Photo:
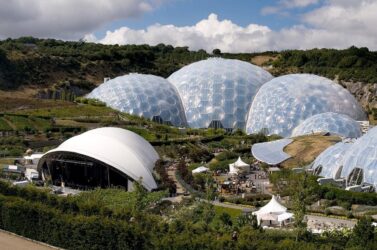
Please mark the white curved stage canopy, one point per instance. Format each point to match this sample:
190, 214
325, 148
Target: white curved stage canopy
118, 148
271, 152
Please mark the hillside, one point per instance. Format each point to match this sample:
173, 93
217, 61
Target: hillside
53, 69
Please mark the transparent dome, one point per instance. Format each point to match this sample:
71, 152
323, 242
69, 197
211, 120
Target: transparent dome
334, 123
363, 155
284, 102
328, 163
146, 96
219, 90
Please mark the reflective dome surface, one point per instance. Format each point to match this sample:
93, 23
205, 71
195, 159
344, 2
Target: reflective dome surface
142, 95
284, 102
363, 155
334, 123
218, 89
331, 160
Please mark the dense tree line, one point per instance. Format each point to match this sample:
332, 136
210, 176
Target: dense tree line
352, 64
32, 61
29, 60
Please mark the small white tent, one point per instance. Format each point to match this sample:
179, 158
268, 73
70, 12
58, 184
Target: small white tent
200, 169
239, 167
273, 212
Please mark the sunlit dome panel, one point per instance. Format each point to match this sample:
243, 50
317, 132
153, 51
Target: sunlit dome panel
333, 123
328, 164
218, 89
363, 155
284, 102
146, 96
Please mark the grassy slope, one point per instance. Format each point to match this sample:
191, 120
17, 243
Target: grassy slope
304, 149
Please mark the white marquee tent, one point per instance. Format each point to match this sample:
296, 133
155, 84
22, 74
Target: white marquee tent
273, 212
239, 167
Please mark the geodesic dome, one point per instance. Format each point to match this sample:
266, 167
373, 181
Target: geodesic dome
284, 102
328, 163
363, 155
218, 90
333, 123
146, 96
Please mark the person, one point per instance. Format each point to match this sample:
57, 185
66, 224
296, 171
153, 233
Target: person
234, 236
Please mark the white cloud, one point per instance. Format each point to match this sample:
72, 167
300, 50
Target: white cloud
297, 3
69, 19
207, 34
282, 6
337, 24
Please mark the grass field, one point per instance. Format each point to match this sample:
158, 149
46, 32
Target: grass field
77, 110
304, 149
234, 213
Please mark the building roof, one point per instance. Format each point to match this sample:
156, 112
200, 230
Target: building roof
240, 163
273, 206
271, 152
200, 169
119, 148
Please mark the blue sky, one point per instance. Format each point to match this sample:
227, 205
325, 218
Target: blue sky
188, 12
232, 26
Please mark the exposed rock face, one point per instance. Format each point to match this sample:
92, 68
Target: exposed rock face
365, 93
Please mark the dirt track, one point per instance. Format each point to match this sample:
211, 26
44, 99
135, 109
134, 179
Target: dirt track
12, 242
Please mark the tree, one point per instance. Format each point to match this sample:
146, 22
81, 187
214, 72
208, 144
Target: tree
216, 52
226, 219
363, 232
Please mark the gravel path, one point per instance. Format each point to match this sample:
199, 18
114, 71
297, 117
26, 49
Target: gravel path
13, 242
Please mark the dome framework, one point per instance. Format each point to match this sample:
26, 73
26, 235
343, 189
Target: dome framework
218, 92
333, 123
284, 102
148, 96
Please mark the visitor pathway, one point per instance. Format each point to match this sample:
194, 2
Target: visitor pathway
14, 242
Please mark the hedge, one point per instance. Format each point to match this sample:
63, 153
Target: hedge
43, 223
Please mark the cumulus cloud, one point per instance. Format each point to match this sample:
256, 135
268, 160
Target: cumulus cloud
69, 19
207, 34
337, 24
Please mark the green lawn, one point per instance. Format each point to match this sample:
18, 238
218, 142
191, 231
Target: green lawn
70, 111
234, 213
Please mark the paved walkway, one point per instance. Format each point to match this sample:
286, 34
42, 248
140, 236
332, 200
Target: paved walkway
14, 242
180, 188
